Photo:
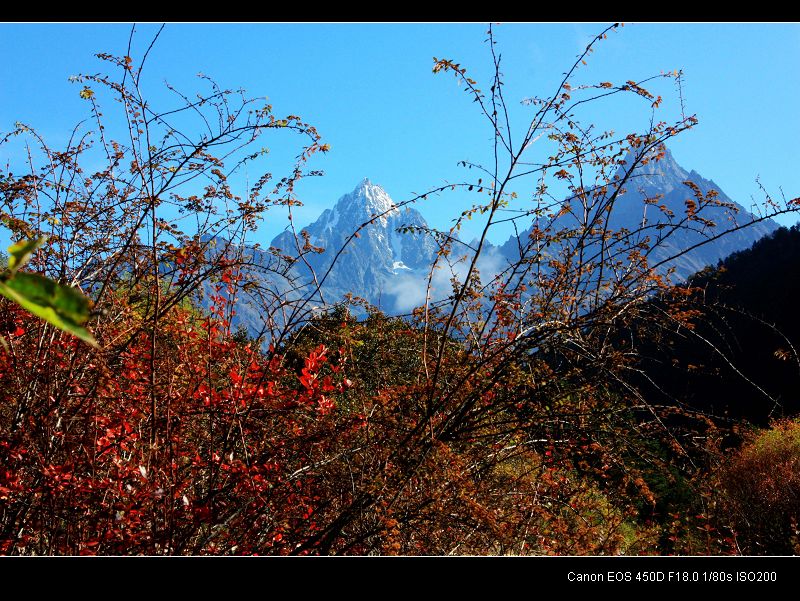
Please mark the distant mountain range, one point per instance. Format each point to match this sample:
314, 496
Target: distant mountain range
389, 268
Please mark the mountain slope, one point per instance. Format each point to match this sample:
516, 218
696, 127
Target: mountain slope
740, 360
663, 182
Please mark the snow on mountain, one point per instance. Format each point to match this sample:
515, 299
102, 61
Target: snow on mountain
370, 263
389, 266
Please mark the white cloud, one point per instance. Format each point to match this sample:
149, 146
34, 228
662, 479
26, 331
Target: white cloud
409, 289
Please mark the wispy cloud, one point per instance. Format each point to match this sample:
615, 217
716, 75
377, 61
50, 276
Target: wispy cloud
409, 289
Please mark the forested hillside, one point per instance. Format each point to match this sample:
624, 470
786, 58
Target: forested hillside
740, 357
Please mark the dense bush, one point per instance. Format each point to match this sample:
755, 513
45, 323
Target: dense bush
210, 446
758, 493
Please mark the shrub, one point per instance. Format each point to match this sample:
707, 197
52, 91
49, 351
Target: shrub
759, 491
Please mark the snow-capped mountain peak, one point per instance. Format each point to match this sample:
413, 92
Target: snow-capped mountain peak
367, 200
369, 263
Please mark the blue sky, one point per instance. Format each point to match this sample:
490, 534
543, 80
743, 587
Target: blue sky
369, 90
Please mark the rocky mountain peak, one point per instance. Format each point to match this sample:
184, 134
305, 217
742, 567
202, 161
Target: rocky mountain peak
664, 179
366, 201
652, 172
372, 264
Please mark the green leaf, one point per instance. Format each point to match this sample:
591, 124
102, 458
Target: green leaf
20, 253
62, 306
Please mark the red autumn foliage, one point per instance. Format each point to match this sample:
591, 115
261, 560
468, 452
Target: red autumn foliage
89, 468
244, 455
